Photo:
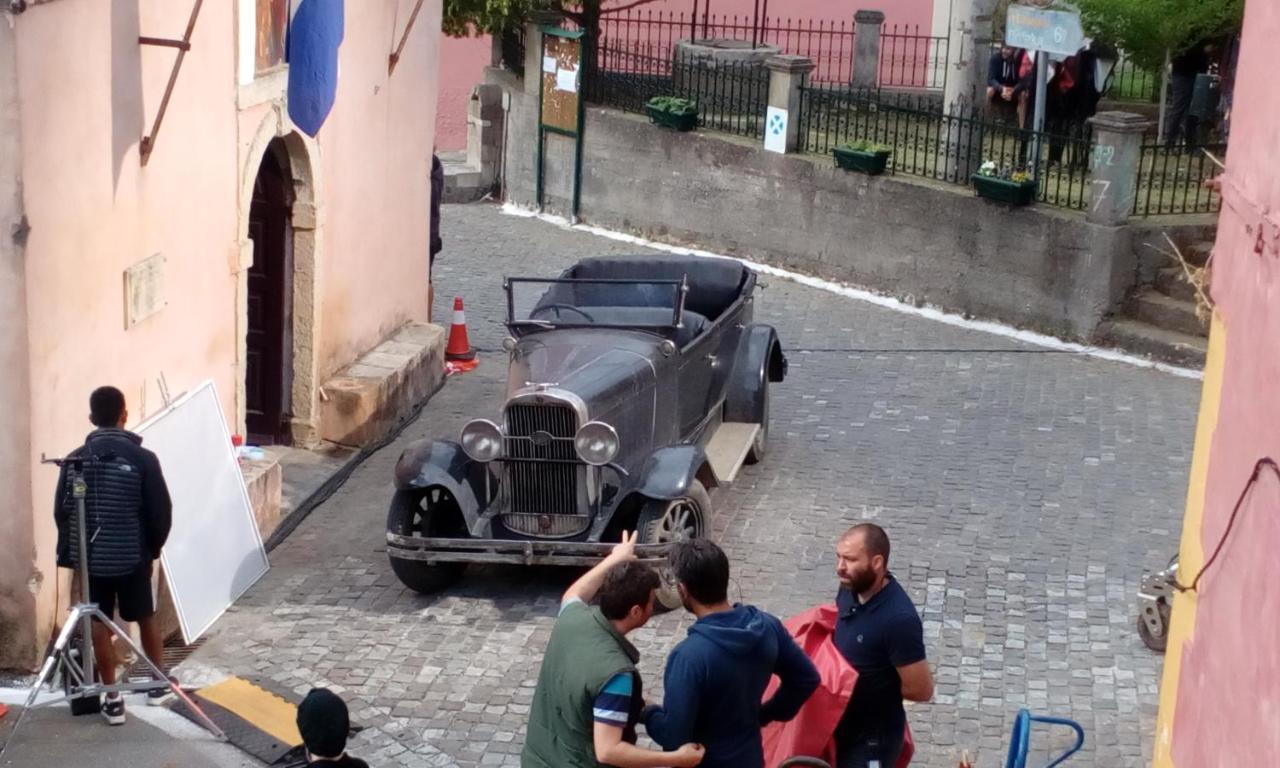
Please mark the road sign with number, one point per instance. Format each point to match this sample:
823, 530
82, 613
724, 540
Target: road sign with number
1039, 30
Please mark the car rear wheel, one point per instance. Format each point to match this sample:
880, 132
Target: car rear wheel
666, 522
430, 512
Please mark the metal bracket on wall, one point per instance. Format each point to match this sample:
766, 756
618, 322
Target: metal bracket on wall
183, 45
395, 55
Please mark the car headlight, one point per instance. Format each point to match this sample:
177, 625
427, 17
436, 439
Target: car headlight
596, 443
482, 440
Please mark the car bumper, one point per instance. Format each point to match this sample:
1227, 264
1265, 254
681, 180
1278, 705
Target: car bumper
518, 551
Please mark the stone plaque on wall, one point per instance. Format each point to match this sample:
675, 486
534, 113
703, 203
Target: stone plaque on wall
143, 290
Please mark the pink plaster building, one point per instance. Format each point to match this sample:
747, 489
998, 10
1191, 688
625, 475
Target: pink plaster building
1220, 696
463, 60
242, 251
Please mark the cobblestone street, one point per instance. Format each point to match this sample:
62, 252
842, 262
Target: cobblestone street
1025, 490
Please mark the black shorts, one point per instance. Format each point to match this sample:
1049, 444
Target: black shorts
131, 592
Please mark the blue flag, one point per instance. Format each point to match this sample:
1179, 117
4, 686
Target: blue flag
315, 32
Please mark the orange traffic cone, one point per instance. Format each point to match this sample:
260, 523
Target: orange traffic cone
459, 351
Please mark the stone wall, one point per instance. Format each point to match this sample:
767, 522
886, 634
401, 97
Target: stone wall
1035, 267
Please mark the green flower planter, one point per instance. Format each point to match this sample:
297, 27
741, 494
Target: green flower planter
870, 163
669, 120
1005, 191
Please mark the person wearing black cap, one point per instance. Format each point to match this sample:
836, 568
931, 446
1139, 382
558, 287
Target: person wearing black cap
323, 723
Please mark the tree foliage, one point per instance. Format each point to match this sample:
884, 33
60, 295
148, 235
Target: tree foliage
463, 18
1146, 29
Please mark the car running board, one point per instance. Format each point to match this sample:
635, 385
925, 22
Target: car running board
728, 449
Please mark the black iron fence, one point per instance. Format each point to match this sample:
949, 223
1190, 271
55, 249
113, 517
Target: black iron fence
1129, 82
1172, 181
731, 97
929, 143
909, 59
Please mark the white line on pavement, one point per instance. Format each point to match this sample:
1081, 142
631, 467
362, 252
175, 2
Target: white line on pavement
861, 294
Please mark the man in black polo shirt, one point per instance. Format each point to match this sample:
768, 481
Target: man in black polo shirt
880, 634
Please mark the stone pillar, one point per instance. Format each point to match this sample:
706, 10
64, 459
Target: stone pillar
786, 75
484, 131
968, 50
26, 592
1114, 166
866, 48
532, 58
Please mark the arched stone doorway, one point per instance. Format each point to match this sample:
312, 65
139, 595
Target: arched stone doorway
269, 322
276, 152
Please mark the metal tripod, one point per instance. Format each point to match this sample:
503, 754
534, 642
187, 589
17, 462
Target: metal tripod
81, 683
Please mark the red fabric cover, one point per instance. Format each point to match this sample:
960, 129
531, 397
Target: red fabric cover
811, 733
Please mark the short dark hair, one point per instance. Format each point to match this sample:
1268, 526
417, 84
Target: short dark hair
106, 405
323, 722
625, 586
702, 568
874, 537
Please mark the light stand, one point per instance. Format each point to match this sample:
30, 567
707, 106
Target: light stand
80, 682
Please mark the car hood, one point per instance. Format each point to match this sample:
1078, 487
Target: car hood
603, 367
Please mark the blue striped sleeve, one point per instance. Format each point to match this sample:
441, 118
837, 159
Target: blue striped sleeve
613, 704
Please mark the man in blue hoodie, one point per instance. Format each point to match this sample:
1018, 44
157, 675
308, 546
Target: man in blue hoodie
716, 677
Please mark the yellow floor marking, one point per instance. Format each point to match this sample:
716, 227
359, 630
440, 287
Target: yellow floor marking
263, 710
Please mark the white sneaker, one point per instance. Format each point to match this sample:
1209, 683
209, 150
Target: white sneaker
113, 709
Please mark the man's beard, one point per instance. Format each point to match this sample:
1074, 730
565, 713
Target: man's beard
861, 581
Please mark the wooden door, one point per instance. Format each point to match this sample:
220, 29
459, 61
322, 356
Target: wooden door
269, 359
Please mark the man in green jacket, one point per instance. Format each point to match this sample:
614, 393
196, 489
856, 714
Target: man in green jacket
588, 699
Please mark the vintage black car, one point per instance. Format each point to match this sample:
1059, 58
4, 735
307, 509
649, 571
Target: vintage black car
635, 385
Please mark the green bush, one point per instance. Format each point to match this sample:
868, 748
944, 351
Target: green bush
863, 145
673, 105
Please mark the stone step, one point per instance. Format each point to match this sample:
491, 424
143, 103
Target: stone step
1155, 308
1197, 253
1172, 282
463, 183
1157, 343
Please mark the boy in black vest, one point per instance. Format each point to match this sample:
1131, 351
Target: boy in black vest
127, 519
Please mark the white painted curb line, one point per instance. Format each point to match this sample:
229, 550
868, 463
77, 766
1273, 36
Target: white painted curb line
861, 294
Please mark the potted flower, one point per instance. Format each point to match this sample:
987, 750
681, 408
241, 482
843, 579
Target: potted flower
868, 157
1004, 185
673, 112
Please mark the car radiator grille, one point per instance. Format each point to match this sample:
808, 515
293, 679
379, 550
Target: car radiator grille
541, 488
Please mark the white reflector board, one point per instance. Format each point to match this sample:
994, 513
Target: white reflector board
214, 552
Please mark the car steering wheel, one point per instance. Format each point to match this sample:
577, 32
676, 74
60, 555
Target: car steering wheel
558, 307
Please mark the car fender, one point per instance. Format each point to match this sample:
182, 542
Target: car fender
668, 472
429, 463
759, 361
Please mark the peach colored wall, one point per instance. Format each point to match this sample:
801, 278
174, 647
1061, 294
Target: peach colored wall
94, 211
1222, 684
463, 60
376, 154
17, 603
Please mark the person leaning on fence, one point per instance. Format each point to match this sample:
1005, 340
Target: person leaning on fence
588, 700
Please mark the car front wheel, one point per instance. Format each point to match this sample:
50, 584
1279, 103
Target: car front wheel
428, 512
664, 521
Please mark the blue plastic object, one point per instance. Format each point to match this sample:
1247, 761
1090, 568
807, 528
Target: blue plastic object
1021, 741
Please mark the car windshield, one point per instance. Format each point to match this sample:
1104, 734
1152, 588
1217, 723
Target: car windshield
618, 303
